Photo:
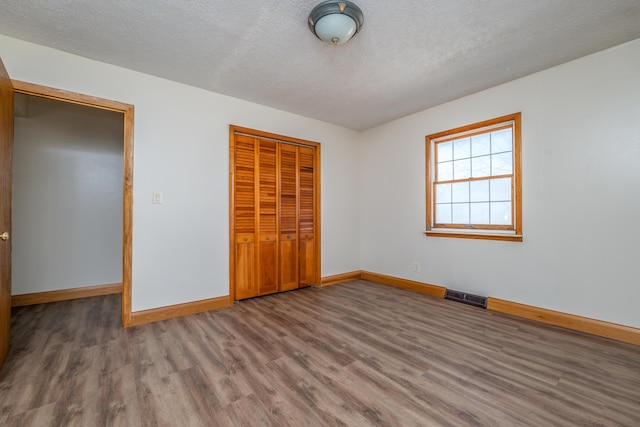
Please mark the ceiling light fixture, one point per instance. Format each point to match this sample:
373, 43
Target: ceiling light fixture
335, 22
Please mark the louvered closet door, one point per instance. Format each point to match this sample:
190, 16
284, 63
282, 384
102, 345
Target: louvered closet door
268, 217
274, 214
307, 208
246, 285
288, 217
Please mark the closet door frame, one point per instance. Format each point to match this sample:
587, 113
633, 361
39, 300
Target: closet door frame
233, 130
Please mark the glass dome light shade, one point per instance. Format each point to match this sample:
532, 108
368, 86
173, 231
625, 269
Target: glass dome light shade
335, 29
335, 21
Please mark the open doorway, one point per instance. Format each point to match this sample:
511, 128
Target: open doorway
67, 197
73, 168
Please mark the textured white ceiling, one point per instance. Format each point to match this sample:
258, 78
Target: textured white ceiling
410, 54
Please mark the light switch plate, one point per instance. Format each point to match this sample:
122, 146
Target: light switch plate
158, 198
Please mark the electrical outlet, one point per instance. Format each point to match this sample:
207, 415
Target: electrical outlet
416, 267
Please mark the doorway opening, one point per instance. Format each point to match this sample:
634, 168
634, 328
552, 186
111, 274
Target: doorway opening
100, 160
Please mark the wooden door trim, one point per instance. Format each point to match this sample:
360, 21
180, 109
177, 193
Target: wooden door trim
233, 129
316, 217
127, 194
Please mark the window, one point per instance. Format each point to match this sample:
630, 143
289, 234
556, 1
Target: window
473, 181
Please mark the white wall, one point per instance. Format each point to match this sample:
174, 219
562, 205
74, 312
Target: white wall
581, 180
67, 197
180, 248
581, 193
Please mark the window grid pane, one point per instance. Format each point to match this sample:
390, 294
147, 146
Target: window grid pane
461, 148
443, 193
480, 166
479, 191
445, 171
486, 154
482, 202
443, 213
475, 200
460, 192
445, 152
480, 145
501, 140
460, 213
500, 190
500, 213
462, 169
502, 163
480, 213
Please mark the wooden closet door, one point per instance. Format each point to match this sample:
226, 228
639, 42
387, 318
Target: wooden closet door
268, 217
307, 209
275, 216
246, 285
288, 217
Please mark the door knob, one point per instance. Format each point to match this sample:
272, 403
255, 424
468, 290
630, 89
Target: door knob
4, 236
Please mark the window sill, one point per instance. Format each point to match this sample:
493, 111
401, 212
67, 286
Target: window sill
477, 235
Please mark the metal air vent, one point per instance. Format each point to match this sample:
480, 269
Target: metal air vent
463, 297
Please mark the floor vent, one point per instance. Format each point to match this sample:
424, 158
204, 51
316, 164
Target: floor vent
466, 298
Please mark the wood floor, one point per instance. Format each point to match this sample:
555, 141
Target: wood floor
354, 354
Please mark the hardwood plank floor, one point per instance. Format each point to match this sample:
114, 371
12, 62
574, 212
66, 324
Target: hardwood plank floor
353, 354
